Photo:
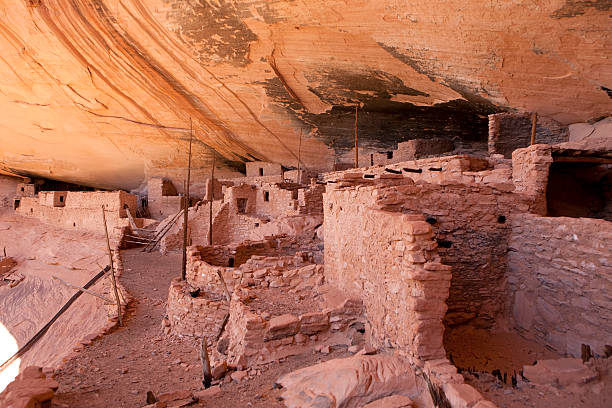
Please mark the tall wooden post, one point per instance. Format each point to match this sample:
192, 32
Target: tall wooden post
534, 123
212, 198
356, 140
299, 158
186, 206
112, 268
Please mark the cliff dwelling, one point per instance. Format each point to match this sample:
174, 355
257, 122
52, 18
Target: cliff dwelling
378, 204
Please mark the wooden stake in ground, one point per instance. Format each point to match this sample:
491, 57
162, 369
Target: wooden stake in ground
299, 158
206, 371
356, 140
212, 198
186, 206
534, 122
112, 269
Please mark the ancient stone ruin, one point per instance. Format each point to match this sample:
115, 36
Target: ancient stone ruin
381, 204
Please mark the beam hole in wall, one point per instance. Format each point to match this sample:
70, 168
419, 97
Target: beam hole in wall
74, 224
442, 243
579, 190
431, 220
501, 219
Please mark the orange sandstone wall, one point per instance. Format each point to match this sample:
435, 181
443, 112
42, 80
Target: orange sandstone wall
252, 76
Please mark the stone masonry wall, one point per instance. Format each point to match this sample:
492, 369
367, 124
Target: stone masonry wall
530, 171
560, 281
390, 261
195, 316
255, 338
414, 149
82, 210
511, 131
8, 187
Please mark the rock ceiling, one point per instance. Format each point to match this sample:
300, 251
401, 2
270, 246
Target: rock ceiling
101, 92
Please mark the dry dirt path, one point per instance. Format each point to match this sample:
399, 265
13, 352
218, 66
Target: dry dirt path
118, 369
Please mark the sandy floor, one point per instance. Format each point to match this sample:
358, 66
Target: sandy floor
118, 369
43, 251
508, 352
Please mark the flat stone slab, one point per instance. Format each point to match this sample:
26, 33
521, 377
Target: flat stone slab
563, 371
394, 401
349, 382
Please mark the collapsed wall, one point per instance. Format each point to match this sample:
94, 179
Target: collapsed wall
559, 281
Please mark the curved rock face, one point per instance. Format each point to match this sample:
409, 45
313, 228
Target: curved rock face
101, 92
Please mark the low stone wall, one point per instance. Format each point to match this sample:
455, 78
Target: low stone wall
257, 339
559, 281
194, 316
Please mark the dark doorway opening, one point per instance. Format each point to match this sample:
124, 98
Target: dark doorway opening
241, 203
579, 189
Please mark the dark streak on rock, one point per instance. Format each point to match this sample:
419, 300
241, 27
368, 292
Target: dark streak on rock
382, 122
346, 85
217, 31
575, 8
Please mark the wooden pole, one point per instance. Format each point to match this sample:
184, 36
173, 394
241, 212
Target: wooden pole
534, 122
212, 198
112, 269
186, 206
206, 371
89, 292
356, 140
299, 157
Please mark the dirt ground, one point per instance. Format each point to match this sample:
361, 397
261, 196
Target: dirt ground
484, 350
508, 352
118, 369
